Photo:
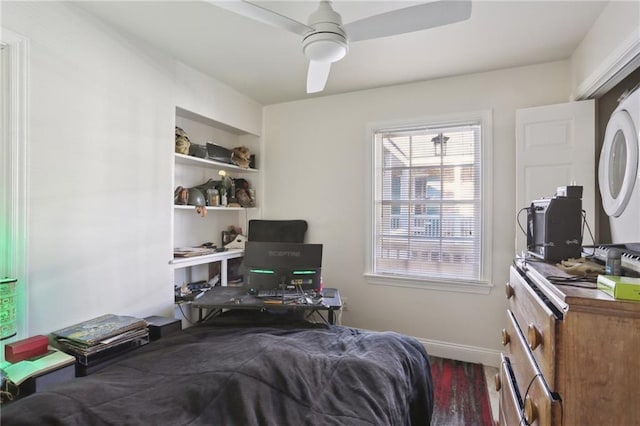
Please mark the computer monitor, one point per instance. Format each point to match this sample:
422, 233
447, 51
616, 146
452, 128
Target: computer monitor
285, 266
283, 231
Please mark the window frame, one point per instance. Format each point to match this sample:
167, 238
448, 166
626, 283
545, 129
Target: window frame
483, 284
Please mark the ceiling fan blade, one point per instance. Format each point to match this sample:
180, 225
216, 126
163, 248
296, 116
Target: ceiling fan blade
262, 14
317, 76
409, 19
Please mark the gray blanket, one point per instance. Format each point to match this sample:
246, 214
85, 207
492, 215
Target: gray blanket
232, 372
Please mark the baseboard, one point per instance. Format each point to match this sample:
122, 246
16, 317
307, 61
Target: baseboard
459, 352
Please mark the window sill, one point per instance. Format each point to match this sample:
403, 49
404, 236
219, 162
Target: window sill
475, 287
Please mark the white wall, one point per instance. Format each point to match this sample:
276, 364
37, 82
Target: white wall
100, 159
99, 192
612, 42
210, 98
315, 170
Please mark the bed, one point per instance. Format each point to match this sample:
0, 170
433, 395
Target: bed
248, 368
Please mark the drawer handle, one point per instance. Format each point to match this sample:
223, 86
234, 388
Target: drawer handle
530, 410
508, 289
534, 337
497, 382
505, 337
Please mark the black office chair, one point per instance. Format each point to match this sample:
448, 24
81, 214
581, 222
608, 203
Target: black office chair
278, 231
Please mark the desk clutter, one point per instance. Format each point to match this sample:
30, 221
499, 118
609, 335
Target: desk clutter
248, 298
239, 294
191, 291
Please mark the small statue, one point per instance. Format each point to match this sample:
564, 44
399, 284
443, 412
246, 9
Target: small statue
182, 141
245, 197
241, 157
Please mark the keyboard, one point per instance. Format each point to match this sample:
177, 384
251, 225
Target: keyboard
278, 293
630, 259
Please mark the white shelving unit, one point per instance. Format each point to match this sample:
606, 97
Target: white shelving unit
222, 257
221, 208
190, 229
184, 262
210, 164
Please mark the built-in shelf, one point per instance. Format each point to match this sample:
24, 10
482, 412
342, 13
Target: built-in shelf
185, 262
190, 160
189, 207
188, 227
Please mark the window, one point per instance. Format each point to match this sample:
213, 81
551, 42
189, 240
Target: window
429, 210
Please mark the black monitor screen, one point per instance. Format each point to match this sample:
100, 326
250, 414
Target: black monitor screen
284, 231
283, 265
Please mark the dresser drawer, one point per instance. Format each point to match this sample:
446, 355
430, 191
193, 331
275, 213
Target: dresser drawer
538, 401
536, 320
510, 405
595, 342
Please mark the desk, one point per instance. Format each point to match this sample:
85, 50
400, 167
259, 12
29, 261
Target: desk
239, 298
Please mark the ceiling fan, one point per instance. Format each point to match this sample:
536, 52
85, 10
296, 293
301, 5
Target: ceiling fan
325, 39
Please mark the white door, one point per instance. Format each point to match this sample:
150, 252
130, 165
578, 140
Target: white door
555, 146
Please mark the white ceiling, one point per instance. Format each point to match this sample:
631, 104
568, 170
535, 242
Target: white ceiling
267, 64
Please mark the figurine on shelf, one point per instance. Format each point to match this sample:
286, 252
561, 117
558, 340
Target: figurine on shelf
224, 186
231, 200
182, 141
241, 157
244, 196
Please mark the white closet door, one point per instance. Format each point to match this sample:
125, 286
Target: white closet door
555, 146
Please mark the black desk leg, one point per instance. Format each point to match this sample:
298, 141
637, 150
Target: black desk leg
330, 316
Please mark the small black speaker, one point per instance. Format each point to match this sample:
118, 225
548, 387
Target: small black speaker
554, 228
162, 326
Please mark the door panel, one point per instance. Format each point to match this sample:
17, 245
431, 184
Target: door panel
555, 146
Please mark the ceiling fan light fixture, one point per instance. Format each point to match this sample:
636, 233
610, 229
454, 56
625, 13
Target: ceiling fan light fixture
325, 40
325, 47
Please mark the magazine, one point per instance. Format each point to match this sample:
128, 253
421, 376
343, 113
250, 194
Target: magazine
100, 329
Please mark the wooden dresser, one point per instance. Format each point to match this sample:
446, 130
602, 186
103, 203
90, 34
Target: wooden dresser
571, 354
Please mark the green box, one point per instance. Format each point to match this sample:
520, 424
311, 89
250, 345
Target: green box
626, 288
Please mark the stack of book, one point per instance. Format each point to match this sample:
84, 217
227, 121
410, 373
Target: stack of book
97, 341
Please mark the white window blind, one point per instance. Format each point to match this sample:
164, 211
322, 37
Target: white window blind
427, 195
